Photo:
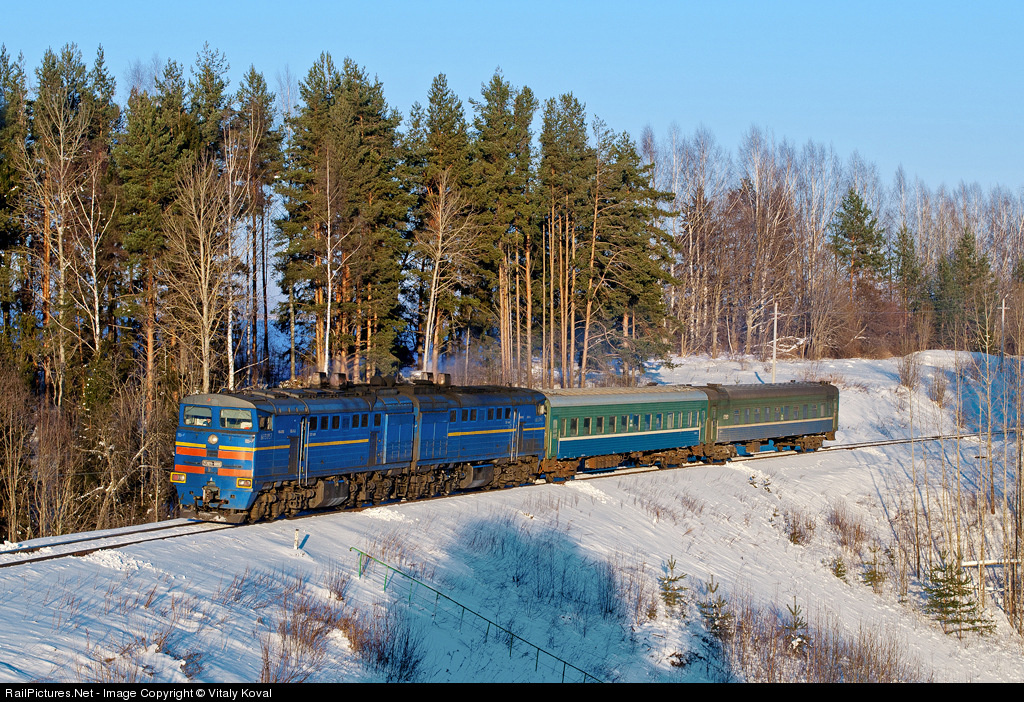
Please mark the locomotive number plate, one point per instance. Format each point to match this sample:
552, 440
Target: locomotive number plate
212, 464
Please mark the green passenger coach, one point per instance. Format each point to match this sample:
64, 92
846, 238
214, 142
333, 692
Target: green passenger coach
598, 428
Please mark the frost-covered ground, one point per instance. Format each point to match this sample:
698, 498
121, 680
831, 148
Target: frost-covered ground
571, 569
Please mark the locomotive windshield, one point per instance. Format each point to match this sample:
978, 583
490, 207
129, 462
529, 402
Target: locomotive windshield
197, 416
236, 419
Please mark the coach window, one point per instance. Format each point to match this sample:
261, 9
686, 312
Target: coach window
574, 426
599, 426
586, 426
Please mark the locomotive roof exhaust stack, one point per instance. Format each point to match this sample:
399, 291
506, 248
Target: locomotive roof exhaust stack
422, 377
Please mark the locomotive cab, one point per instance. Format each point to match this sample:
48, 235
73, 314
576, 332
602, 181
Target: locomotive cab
215, 447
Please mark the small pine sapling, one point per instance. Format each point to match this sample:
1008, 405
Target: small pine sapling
714, 610
795, 629
673, 592
874, 575
951, 600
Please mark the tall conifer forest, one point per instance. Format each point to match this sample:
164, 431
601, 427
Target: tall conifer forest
181, 234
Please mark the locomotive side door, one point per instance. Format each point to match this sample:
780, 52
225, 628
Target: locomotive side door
373, 457
516, 435
298, 450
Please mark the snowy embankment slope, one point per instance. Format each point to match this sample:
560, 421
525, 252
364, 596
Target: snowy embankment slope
570, 568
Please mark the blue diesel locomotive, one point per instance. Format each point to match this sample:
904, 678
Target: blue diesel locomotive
259, 454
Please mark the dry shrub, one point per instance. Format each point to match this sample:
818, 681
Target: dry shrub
297, 646
937, 388
636, 588
99, 665
849, 529
391, 645
761, 649
908, 369
799, 526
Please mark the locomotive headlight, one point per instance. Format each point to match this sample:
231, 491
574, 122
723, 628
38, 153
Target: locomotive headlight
177, 477
244, 483
212, 439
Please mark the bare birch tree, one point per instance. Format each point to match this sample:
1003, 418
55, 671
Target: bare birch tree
198, 258
445, 245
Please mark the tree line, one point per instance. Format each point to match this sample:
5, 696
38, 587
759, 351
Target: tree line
156, 246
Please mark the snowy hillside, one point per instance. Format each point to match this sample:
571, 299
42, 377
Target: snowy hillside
572, 570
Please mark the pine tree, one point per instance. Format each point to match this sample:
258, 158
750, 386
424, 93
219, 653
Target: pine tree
857, 239
261, 153
208, 93
501, 192
951, 600
15, 299
345, 211
964, 295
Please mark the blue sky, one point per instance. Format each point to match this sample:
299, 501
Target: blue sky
934, 86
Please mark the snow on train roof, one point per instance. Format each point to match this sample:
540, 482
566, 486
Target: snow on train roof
576, 397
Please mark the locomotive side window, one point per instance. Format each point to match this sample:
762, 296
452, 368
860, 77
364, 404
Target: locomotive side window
323, 423
508, 413
345, 422
335, 422
235, 419
453, 415
266, 422
198, 416
472, 415
366, 420
376, 420
465, 415
490, 414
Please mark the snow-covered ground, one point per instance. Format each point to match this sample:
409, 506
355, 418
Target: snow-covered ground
571, 570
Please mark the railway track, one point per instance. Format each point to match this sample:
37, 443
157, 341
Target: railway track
84, 544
